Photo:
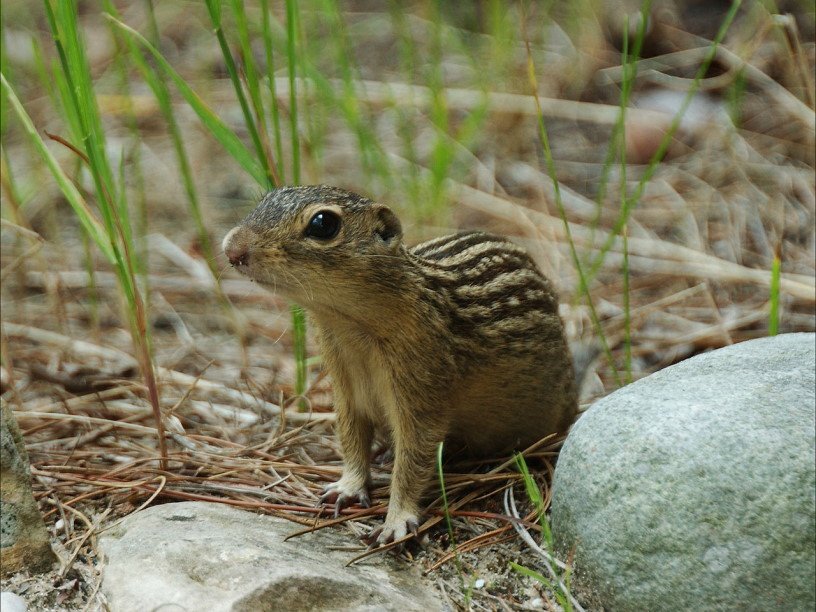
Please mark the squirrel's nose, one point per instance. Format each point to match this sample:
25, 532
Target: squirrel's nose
238, 255
236, 248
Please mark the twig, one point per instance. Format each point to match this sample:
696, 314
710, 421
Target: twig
85, 348
510, 508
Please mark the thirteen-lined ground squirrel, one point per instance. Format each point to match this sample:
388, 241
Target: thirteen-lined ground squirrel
456, 339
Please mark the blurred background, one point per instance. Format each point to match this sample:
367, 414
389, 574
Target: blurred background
417, 105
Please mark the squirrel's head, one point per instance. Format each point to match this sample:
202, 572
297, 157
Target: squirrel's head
317, 245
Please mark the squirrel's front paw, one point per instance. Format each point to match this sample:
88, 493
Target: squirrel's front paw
342, 495
395, 528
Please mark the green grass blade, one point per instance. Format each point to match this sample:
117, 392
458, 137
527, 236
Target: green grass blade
81, 103
448, 523
82, 99
439, 455
550, 164
629, 75
291, 56
651, 168
563, 601
533, 492
627, 307
529, 483
70, 103
411, 178
158, 86
526, 571
122, 204
442, 153
252, 80
776, 275
214, 8
64, 101
93, 135
299, 333
43, 76
93, 292
374, 158
78, 107
219, 130
629, 64
135, 158
87, 219
298, 316
273, 96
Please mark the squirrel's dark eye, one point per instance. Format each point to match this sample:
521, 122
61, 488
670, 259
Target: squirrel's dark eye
323, 225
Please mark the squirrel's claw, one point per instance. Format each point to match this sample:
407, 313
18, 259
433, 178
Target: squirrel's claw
342, 498
392, 531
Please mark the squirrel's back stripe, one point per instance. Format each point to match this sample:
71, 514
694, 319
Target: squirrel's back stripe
441, 247
486, 279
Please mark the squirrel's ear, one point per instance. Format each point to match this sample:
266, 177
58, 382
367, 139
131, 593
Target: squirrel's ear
388, 227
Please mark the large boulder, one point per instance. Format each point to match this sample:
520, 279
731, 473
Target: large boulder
695, 488
204, 556
24, 541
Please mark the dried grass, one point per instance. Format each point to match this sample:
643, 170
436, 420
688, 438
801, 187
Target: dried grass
97, 450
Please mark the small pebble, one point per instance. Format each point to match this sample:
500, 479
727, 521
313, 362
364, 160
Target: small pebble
11, 602
479, 583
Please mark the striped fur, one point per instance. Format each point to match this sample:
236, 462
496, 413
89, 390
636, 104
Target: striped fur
488, 281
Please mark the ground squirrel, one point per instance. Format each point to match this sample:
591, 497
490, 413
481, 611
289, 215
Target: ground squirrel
456, 339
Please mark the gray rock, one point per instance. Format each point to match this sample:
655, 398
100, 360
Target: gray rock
202, 556
11, 602
24, 541
695, 488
